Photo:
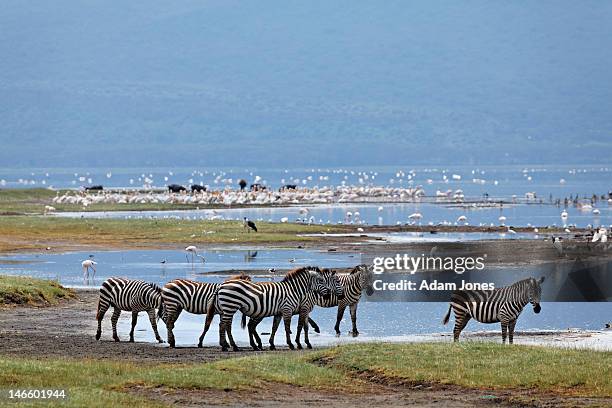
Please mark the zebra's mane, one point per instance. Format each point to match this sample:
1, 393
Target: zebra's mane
294, 273
242, 276
357, 269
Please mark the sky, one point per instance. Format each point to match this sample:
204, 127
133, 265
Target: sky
224, 83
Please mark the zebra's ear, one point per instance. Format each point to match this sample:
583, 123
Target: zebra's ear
541, 279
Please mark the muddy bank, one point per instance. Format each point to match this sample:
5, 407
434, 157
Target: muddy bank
68, 329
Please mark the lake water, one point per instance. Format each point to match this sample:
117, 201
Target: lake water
376, 320
385, 214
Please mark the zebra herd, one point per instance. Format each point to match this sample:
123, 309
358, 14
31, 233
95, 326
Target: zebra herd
296, 294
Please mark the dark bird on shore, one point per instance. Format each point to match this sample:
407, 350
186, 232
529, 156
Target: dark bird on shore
608, 325
249, 225
252, 254
163, 261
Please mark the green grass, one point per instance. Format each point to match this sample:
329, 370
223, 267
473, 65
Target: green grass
29, 232
483, 365
475, 365
23, 290
30, 200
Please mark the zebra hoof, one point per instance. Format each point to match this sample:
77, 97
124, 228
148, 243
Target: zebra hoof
160, 341
236, 348
272, 347
291, 347
354, 334
116, 339
200, 345
131, 340
337, 334
224, 348
98, 336
299, 346
309, 345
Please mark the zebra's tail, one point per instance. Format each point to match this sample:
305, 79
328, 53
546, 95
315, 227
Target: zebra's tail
243, 322
447, 317
161, 312
98, 310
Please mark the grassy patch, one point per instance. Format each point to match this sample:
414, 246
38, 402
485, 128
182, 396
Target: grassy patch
22, 232
23, 290
482, 365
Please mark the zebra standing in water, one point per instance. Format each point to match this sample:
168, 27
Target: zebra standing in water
260, 300
132, 296
354, 283
503, 305
303, 310
191, 296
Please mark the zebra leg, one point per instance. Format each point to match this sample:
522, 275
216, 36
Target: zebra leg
207, 323
287, 320
254, 338
314, 325
114, 320
306, 339
102, 308
460, 323
511, 326
299, 331
223, 321
231, 338
504, 328
153, 320
353, 309
134, 320
339, 318
275, 324
172, 317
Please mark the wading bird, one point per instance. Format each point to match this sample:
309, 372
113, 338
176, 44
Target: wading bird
249, 225
193, 250
86, 264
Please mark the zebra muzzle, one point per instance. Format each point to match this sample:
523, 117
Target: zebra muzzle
537, 308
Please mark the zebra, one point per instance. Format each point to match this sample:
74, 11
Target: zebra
303, 310
259, 300
503, 305
191, 296
354, 283
129, 295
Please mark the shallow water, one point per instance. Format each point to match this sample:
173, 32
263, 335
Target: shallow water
377, 320
389, 214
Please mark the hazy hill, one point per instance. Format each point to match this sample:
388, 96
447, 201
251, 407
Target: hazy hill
304, 83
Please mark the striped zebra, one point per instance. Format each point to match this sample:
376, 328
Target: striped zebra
259, 300
503, 305
191, 296
354, 283
303, 310
130, 295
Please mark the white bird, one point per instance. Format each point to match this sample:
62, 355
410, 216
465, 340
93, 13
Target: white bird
502, 219
596, 211
511, 231
558, 245
564, 215
284, 219
604, 234
86, 264
415, 216
596, 236
462, 218
193, 250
